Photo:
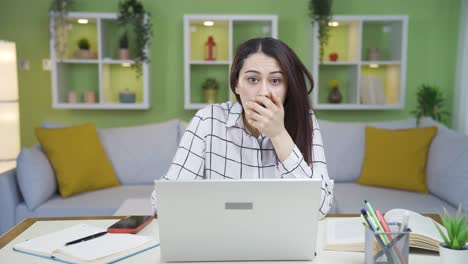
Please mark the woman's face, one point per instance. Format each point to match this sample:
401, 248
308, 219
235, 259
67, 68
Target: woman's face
259, 76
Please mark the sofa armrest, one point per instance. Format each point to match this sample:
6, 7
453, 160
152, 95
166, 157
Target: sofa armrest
10, 197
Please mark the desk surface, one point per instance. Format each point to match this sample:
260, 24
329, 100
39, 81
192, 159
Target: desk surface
40, 226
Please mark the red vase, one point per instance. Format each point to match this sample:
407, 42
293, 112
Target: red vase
333, 56
210, 49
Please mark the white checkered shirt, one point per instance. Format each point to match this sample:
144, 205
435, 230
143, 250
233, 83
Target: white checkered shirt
216, 145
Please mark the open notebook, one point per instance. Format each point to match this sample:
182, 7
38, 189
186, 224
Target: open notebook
104, 249
348, 234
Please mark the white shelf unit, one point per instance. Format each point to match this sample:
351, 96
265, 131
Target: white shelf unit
228, 31
364, 84
106, 75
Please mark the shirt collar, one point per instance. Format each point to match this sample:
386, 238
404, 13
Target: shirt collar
234, 115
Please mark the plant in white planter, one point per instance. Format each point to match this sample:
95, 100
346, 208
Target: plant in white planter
454, 249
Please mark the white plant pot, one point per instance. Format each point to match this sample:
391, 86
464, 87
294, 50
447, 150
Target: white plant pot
452, 256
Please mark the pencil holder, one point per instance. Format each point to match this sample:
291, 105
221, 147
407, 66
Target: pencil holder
387, 247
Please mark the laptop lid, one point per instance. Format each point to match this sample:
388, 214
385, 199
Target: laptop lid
236, 220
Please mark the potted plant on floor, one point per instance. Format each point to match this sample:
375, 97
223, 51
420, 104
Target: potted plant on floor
84, 51
124, 52
430, 102
454, 249
210, 90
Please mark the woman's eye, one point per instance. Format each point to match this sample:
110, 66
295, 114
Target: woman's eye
252, 79
275, 81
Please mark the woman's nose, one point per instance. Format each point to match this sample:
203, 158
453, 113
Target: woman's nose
264, 89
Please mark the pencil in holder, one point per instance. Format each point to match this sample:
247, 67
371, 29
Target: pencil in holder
387, 247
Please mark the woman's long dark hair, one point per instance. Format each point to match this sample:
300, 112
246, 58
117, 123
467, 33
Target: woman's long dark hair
297, 120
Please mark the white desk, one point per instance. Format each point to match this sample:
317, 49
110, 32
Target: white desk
7, 255
135, 206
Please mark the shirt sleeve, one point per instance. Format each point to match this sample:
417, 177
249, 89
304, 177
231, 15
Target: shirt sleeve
296, 167
189, 161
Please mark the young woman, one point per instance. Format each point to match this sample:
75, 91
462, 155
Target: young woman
270, 132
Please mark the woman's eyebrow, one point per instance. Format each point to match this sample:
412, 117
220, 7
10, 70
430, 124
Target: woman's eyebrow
273, 72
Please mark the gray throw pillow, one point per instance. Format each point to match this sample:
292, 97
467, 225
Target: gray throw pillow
36, 177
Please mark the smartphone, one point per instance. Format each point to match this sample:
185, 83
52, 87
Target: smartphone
131, 224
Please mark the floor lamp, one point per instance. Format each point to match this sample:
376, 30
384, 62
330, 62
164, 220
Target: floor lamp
9, 106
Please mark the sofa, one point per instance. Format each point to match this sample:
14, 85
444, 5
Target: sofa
141, 154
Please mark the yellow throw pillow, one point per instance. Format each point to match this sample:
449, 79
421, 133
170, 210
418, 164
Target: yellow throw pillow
397, 158
78, 158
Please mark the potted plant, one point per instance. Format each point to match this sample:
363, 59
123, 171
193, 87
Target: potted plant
334, 96
133, 16
124, 53
320, 12
454, 249
210, 90
83, 51
430, 102
58, 11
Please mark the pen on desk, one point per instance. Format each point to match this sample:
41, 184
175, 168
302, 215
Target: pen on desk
85, 238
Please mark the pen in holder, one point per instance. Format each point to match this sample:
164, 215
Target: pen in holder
387, 247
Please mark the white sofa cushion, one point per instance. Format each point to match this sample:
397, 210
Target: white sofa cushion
349, 199
36, 178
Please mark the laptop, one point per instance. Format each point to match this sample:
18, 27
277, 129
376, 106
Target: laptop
238, 220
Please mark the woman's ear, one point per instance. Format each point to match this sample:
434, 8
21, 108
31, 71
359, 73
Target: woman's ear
237, 90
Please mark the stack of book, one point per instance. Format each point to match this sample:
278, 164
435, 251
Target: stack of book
372, 91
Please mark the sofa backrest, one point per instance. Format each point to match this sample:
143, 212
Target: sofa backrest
447, 165
344, 145
447, 162
139, 154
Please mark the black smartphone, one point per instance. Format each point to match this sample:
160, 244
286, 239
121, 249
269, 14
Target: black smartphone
131, 224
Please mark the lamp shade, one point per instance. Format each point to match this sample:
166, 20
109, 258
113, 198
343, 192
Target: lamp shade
9, 107
8, 72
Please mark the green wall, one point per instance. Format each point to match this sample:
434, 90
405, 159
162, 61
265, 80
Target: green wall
432, 45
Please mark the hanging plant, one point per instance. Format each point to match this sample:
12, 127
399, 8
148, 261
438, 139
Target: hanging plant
58, 11
431, 103
320, 12
136, 20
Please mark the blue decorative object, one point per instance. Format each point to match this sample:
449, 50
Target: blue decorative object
127, 96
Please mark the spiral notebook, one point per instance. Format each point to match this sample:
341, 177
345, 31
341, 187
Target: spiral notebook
109, 248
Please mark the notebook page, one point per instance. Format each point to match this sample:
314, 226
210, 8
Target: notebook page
345, 230
104, 246
418, 223
47, 244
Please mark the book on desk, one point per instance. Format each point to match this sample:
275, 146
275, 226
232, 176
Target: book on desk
347, 234
108, 248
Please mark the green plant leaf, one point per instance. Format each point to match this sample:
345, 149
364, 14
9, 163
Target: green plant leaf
455, 244
463, 236
442, 234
